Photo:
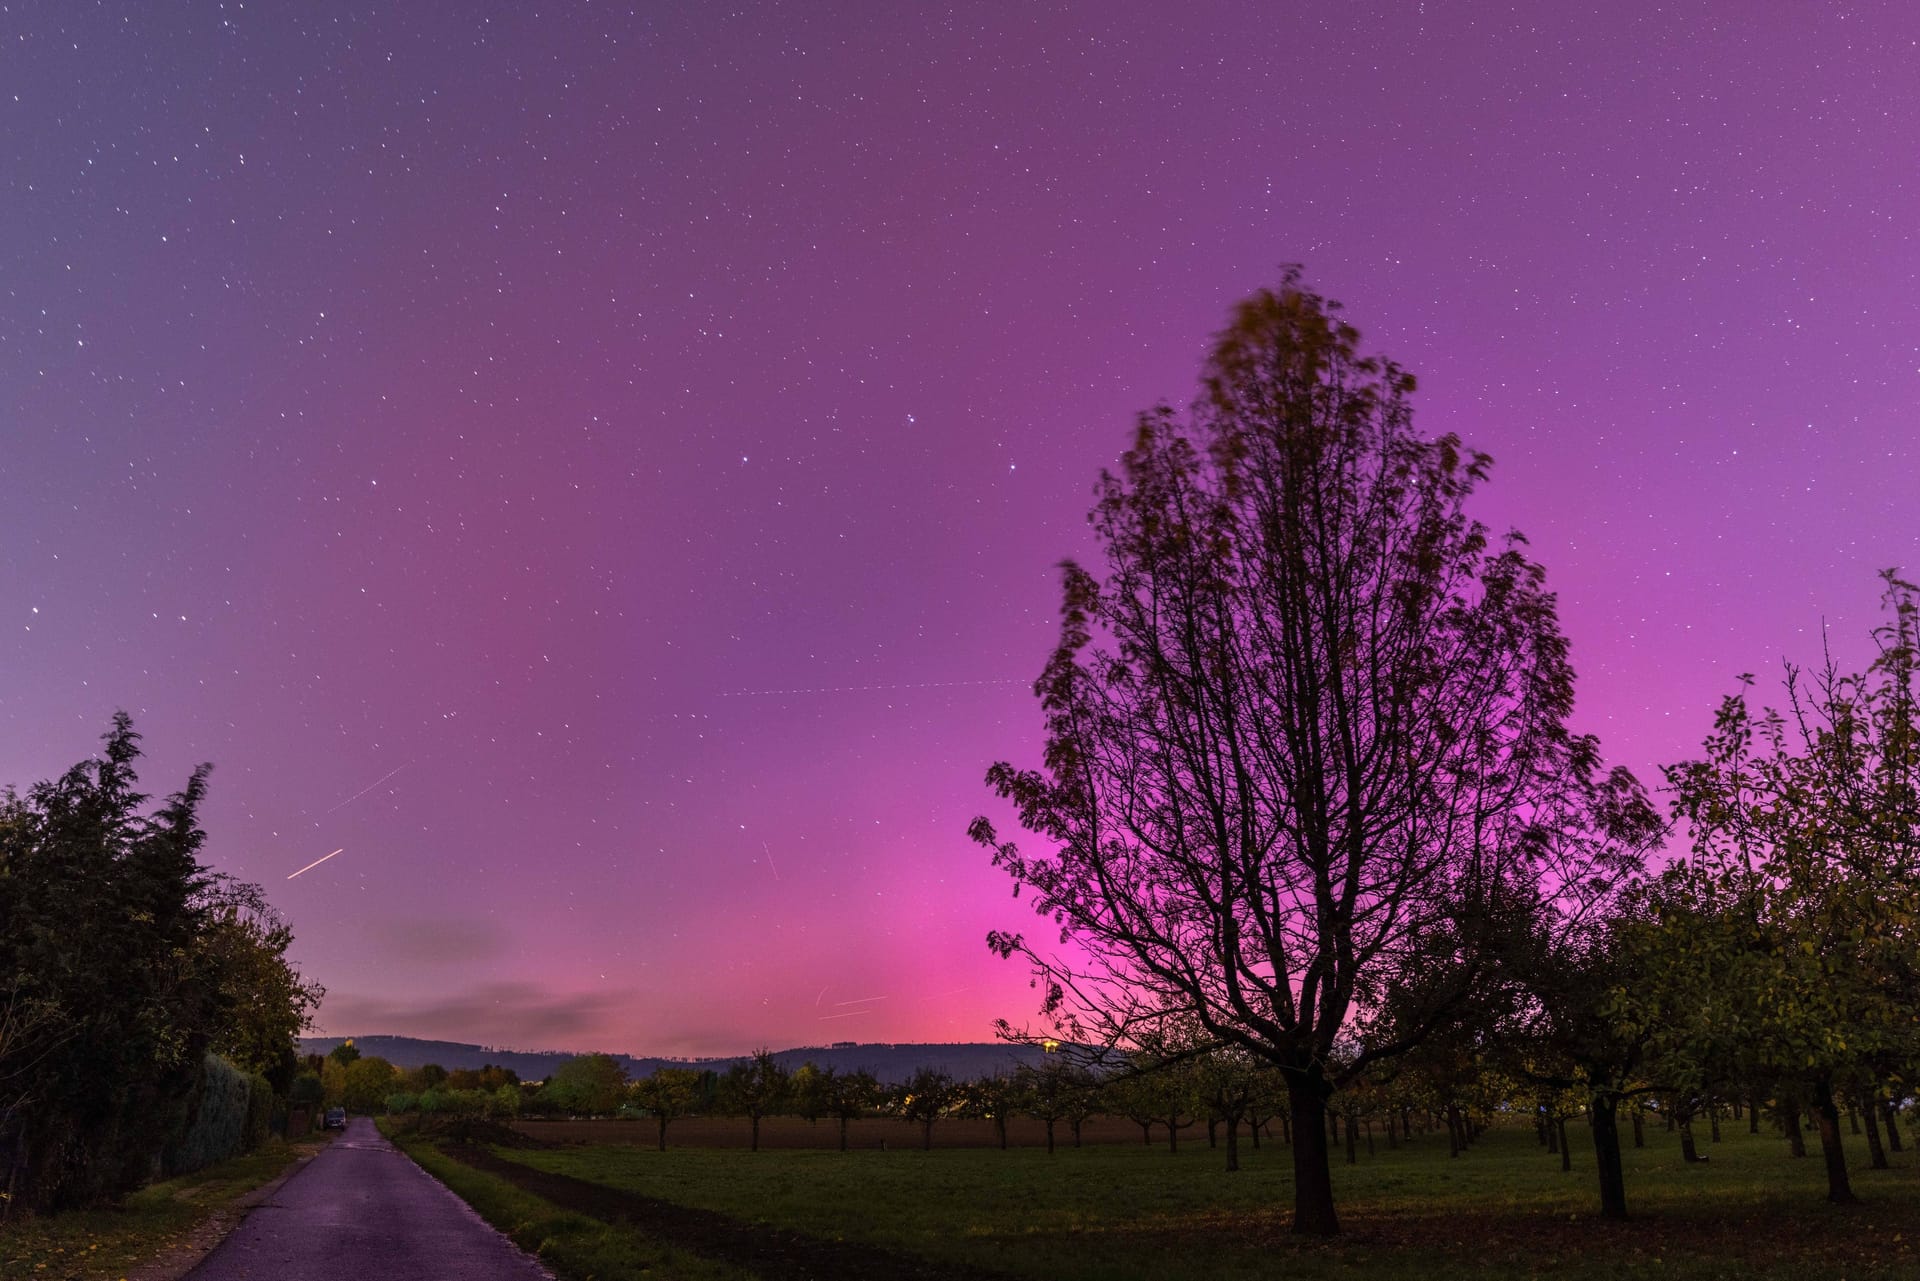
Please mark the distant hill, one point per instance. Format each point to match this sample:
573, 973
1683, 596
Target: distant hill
890, 1063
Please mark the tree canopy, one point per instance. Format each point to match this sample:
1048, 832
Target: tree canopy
1305, 725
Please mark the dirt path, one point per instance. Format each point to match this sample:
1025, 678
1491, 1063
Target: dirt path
777, 1254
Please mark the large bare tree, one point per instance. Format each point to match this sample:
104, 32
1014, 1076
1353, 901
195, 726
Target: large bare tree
1303, 728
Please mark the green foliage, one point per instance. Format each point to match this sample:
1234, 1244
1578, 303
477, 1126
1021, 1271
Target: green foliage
667, 1094
924, 1098
807, 1092
219, 1117
1791, 937
587, 1085
755, 1087
121, 964
365, 1084
264, 1002
260, 1101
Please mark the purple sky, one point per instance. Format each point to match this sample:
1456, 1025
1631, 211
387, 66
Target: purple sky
601, 466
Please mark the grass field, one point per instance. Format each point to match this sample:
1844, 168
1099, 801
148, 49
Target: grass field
572, 1245
149, 1225
1122, 1211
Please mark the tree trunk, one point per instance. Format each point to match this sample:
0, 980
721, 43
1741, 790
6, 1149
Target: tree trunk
1839, 1191
926, 1135
1173, 1131
1853, 1119
753, 1144
1566, 1156
1076, 1132
1286, 1127
843, 1134
1253, 1127
1790, 1121
1000, 1125
1313, 1213
1893, 1125
1753, 1113
1713, 1121
1453, 1134
1213, 1131
1606, 1154
663, 1132
1876, 1155
1549, 1134
1049, 1136
1233, 1144
1639, 1126
1146, 1132
1688, 1152
1348, 1127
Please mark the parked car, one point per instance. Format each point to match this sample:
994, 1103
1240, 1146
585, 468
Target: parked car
336, 1119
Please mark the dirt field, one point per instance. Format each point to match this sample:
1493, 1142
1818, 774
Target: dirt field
871, 1132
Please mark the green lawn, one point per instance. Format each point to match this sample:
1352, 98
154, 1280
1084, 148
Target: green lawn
1502, 1210
93, 1244
573, 1246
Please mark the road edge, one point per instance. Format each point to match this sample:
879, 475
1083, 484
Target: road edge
206, 1236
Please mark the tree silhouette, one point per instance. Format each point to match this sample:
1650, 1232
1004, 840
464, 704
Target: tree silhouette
1297, 726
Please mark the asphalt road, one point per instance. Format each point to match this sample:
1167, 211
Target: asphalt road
362, 1210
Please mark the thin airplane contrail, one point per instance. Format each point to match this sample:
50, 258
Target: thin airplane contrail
316, 863
375, 783
770, 863
865, 1000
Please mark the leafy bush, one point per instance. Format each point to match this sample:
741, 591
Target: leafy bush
218, 1119
259, 1110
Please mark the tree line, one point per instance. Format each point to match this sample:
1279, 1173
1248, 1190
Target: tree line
1310, 793
148, 1012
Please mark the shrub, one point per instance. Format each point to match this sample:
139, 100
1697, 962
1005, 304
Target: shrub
259, 1110
217, 1119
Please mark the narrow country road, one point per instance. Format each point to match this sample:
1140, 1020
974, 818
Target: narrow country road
363, 1210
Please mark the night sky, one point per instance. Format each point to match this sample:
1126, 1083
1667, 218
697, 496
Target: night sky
601, 467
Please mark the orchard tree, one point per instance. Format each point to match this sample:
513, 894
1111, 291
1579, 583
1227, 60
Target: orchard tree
753, 1089
924, 1098
996, 1097
1809, 819
1055, 1091
849, 1096
668, 1094
807, 1092
588, 1085
1297, 727
366, 1083
1585, 962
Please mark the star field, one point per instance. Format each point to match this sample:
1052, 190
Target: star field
602, 466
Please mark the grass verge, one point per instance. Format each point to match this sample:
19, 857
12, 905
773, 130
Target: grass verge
1502, 1210
575, 1247
110, 1243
